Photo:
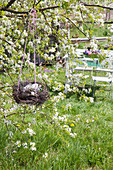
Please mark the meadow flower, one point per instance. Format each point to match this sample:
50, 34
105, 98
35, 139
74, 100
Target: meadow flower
68, 106
34, 121
10, 133
33, 148
67, 128
93, 120
23, 132
73, 135
87, 121
18, 143
32, 144
25, 145
61, 118
45, 155
31, 132
71, 124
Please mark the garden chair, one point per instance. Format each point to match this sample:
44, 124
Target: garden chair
102, 79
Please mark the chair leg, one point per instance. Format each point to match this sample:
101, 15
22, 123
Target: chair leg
94, 88
110, 91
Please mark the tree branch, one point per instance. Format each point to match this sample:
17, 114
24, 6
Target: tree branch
51, 7
75, 25
45, 18
27, 12
83, 21
12, 11
38, 2
9, 4
98, 6
90, 22
5, 41
13, 16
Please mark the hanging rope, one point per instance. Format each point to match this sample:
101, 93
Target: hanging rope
34, 31
29, 48
22, 60
30, 92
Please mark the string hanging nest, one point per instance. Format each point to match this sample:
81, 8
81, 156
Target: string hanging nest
30, 93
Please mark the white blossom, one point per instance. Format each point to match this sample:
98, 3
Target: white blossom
52, 50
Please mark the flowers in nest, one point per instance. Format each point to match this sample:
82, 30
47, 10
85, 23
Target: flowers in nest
32, 88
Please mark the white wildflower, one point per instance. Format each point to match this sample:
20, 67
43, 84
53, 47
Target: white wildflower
31, 132
73, 135
23, 132
32, 144
33, 148
68, 106
18, 143
87, 121
45, 155
25, 145
67, 128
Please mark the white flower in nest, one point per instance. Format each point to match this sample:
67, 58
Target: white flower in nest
32, 87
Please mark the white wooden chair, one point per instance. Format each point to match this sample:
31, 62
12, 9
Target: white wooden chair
102, 79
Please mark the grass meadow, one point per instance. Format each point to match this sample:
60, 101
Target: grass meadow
88, 146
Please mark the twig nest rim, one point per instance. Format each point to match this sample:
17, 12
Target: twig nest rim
30, 92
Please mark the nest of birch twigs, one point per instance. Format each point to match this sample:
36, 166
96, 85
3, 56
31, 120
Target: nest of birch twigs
30, 93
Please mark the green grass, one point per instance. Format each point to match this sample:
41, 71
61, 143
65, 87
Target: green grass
92, 147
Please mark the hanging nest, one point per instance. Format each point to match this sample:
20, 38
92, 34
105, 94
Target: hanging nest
30, 93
